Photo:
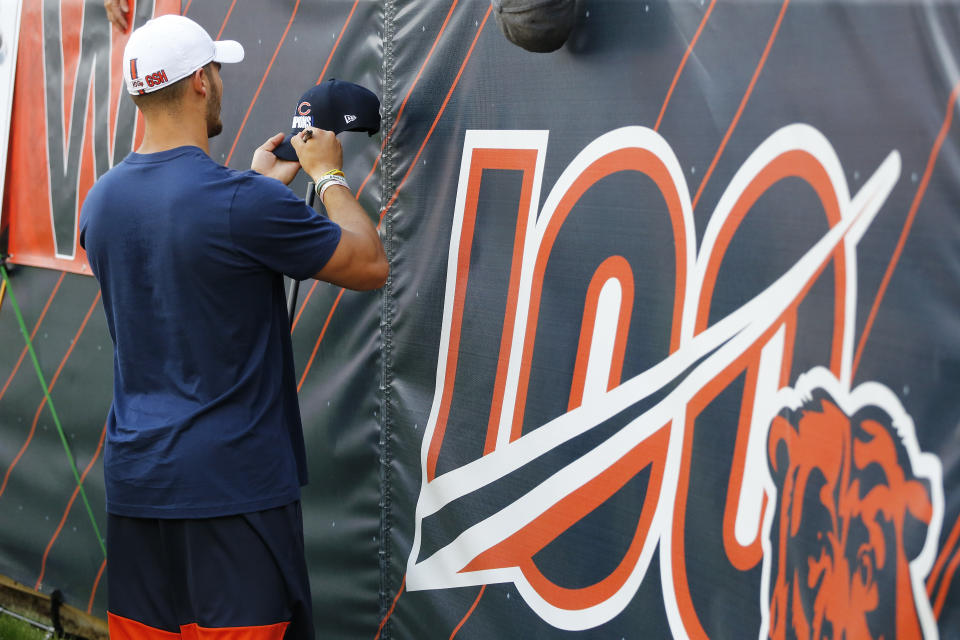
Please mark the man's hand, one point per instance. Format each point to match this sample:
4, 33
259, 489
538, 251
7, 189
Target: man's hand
270, 165
116, 10
319, 153
359, 261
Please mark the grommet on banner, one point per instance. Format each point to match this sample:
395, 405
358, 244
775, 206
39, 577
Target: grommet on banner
540, 26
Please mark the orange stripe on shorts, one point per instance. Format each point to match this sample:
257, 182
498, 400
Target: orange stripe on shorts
126, 629
266, 632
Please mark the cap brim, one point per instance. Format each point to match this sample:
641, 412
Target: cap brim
227, 51
285, 150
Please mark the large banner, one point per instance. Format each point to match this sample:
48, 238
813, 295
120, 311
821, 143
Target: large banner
672, 334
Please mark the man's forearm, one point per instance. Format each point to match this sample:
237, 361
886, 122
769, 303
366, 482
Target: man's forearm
359, 261
343, 208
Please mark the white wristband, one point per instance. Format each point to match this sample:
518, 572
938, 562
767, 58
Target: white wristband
328, 181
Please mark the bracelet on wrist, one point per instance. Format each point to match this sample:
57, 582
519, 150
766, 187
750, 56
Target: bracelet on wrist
325, 182
324, 177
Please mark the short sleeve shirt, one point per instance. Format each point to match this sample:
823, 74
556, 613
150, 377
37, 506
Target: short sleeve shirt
190, 257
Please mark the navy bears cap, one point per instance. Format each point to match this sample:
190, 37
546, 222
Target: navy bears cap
334, 105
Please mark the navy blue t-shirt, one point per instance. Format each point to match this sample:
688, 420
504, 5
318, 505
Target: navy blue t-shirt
190, 256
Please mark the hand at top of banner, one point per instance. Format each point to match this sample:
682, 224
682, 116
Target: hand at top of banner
116, 13
270, 165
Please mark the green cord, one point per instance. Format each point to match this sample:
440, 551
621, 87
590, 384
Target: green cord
53, 411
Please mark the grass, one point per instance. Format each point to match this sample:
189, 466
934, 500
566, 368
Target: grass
13, 629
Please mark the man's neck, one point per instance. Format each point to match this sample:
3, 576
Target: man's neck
165, 131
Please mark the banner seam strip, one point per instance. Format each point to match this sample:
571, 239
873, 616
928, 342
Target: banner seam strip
386, 191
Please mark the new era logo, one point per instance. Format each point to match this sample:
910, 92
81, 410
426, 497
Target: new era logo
349, 118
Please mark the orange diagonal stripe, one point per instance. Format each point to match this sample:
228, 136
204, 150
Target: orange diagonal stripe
908, 223
225, 19
387, 137
403, 105
743, 103
413, 164
256, 94
53, 381
66, 511
33, 333
393, 606
469, 612
337, 43
683, 63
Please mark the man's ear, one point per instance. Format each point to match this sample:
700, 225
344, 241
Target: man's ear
198, 81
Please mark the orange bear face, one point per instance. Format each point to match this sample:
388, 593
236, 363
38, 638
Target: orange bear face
850, 517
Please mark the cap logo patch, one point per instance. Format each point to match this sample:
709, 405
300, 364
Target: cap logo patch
133, 68
303, 108
349, 118
301, 122
157, 78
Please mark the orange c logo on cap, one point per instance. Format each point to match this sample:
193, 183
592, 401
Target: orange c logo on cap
303, 108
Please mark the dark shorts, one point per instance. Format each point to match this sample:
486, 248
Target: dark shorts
242, 577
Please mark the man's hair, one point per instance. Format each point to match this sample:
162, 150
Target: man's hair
167, 97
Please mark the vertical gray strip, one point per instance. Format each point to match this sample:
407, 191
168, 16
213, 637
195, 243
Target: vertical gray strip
53, 77
65, 156
387, 189
92, 82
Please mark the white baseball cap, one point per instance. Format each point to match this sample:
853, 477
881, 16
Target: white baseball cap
169, 48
